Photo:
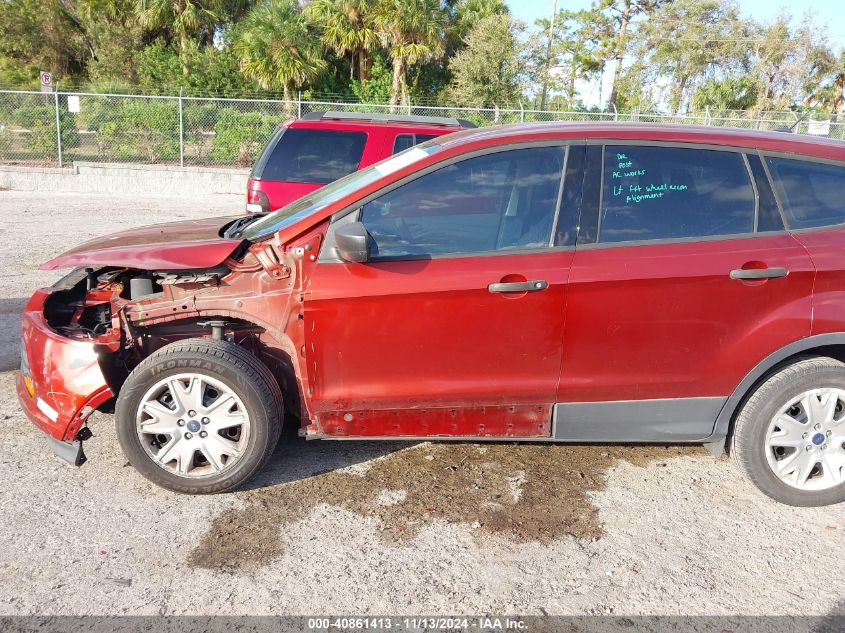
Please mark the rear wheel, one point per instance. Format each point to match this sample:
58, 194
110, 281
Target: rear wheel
199, 416
789, 437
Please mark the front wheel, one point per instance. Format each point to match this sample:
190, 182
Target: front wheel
199, 416
789, 437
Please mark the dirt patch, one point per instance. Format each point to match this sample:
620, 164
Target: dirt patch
525, 491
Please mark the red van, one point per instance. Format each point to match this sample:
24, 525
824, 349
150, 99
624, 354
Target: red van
549, 282
307, 153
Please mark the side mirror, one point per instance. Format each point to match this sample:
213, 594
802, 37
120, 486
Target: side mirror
353, 242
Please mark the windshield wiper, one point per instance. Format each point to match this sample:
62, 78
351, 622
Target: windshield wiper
235, 230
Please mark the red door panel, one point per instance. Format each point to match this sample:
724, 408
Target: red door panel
387, 342
668, 321
826, 247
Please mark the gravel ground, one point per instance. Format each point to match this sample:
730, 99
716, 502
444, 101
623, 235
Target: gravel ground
380, 528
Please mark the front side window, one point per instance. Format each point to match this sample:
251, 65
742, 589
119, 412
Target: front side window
655, 193
493, 202
313, 156
811, 193
264, 227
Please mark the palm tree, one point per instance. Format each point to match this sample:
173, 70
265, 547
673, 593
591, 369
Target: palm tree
347, 29
412, 30
182, 17
466, 13
276, 47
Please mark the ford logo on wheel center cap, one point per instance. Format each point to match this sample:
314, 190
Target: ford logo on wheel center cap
818, 439
194, 426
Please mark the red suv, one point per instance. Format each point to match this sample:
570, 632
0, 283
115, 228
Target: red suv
557, 282
305, 154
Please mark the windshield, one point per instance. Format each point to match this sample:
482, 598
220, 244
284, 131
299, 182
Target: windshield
313, 202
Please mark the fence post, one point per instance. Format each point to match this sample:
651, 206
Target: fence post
181, 133
58, 125
409, 106
299, 104
707, 118
521, 113
615, 112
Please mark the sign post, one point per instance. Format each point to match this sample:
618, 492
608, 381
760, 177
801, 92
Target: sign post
58, 129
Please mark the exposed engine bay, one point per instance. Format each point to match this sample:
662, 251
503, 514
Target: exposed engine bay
128, 314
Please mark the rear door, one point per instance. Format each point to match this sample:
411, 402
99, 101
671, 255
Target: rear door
455, 326
680, 284
812, 194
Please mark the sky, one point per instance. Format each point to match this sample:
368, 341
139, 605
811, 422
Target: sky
825, 12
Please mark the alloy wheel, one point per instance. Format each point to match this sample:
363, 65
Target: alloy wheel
192, 425
805, 440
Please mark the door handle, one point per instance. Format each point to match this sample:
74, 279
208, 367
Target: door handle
759, 273
534, 285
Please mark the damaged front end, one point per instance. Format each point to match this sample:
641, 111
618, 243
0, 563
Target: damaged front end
84, 335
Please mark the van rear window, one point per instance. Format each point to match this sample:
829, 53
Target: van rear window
312, 156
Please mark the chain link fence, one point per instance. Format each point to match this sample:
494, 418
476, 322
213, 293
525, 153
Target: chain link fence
57, 128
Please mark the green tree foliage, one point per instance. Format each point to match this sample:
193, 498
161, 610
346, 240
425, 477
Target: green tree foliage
828, 93
786, 59
277, 47
464, 14
655, 54
347, 27
133, 129
239, 136
375, 89
689, 41
634, 93
41, 35
184, 18
115, 35
413, 31
612, 22
489, 71
730, 93
39, 123
213, 70
572, 54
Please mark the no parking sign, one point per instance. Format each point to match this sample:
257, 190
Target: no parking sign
46, 81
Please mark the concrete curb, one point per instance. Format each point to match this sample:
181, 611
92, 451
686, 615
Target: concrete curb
87, 177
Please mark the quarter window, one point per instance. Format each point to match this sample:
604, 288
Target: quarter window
404, 141
654, 193
810, 193
493, 202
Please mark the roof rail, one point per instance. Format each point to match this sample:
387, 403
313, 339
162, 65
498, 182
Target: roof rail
388, 118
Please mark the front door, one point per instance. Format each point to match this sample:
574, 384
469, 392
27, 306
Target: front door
687, 282
455, 326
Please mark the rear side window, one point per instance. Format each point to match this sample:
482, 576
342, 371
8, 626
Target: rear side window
313, 156
404, 141
811, 193
655, 193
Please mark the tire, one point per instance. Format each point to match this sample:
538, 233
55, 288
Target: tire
792, 445
214, 449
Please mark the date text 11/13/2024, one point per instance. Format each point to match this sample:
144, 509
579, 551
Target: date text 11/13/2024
485, 623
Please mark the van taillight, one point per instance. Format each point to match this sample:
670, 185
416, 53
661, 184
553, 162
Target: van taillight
257, 202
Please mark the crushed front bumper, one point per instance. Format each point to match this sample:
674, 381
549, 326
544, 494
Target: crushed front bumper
60, 382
